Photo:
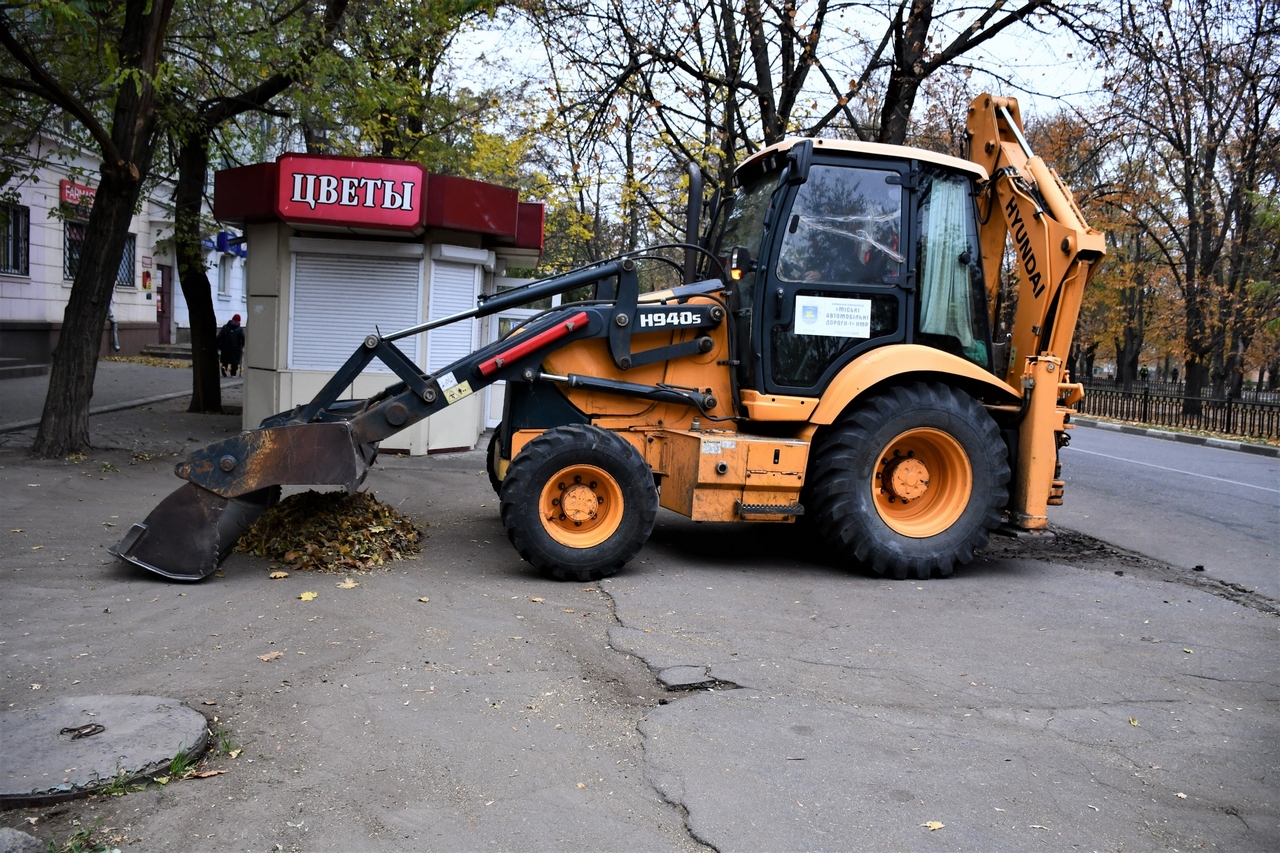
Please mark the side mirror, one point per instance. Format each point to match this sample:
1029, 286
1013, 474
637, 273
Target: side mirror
740, 262
799, 159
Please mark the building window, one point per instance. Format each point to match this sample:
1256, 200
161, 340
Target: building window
224, 276
72, 244
124, 276
15, 236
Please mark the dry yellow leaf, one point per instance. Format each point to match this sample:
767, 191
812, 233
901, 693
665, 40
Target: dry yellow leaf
568, 611
16, 530
205, 774
580, 785
424, 598
36, 547
536, 600
1188, 651
235, 753
309, 596
933, 825
275, 576
270, 656
347, 584
1133, 721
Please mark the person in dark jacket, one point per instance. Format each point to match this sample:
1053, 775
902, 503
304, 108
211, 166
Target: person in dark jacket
231, 346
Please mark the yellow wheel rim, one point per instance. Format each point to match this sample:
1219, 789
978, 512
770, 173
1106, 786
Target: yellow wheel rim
581, 506
922, 482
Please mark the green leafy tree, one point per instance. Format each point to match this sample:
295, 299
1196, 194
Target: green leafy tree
253, 64
51, 52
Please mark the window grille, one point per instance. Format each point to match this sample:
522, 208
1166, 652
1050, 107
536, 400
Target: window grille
15, 236
124, 276
72, 245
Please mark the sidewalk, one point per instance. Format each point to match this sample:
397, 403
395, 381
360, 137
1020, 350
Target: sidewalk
135, 407
1185, 438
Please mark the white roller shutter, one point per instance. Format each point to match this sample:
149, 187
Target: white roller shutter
339, 299
454, 288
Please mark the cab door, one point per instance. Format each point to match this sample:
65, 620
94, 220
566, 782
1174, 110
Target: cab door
833, 283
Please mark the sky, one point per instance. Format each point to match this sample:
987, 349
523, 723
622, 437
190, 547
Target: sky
1044, 71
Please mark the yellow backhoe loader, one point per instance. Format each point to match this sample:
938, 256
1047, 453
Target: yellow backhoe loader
830, 355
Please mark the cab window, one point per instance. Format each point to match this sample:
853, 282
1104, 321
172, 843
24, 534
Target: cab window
953, 312
845, 227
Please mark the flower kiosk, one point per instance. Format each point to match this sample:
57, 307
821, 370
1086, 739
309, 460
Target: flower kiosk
340, 247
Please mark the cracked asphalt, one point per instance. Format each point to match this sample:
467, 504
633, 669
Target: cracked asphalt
1059, 697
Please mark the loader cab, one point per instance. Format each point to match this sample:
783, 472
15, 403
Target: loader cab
854, 246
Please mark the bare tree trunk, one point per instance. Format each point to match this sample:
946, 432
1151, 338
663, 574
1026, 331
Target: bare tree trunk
64, 423
909, 43
188, 197
1197, 377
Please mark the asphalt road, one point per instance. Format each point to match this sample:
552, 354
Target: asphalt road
1184, 504
1048, 698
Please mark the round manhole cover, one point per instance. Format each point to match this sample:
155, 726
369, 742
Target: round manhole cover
81, 744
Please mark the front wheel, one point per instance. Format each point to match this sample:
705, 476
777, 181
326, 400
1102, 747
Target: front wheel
578, 502
911, 482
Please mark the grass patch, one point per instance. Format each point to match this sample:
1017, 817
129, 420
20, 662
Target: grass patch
82, 841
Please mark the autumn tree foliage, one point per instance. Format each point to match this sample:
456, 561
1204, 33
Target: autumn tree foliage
1195, 89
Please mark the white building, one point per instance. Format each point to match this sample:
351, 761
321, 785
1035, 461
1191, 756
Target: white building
40, 238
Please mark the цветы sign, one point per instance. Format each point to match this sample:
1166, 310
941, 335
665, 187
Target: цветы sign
355, 193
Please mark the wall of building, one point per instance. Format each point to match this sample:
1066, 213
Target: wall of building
32, 305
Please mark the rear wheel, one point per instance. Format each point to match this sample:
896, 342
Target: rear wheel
491, 459
911, 482
578, 502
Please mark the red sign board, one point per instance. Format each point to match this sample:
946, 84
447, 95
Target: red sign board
356, 193
76, 195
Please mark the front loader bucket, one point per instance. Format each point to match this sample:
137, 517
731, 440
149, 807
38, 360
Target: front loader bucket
191, 531
232, 482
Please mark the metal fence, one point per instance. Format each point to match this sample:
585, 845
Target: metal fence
1244, 418
1178, 389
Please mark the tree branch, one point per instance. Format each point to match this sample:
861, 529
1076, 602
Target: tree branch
46, 86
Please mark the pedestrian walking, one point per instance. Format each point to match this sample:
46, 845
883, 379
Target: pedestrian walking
231, 346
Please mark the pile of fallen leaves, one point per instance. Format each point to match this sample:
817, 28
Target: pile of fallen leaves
151, 361
332, 532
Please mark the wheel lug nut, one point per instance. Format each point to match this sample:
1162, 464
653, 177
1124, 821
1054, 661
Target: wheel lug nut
555, 502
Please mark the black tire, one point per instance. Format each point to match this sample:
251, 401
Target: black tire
950, 512
609, 486
491, 461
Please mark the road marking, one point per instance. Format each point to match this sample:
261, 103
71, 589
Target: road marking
1175, 470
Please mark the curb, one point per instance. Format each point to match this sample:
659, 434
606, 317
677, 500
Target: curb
110, 407
1220, 443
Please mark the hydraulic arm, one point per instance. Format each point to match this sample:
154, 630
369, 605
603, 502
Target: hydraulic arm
1027, 207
